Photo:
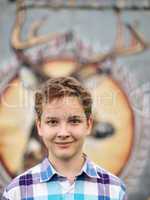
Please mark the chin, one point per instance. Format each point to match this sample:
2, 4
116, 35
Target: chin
64, 157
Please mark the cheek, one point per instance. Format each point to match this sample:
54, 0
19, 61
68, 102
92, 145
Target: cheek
47, 133
79, 132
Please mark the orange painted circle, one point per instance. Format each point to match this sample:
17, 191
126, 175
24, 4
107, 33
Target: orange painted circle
110, 104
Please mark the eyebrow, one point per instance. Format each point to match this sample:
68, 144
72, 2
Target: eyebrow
48, 117
69, 117
76, 116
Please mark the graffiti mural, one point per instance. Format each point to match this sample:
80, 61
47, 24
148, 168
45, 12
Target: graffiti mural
121, 108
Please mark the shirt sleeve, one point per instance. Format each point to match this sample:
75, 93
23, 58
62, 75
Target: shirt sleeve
5, 196
123, 192
125, 197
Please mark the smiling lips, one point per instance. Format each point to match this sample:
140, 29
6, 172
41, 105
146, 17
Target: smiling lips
63, 144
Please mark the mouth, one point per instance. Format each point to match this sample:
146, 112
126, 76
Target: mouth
63, 144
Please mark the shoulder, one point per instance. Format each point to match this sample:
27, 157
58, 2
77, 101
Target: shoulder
107, 179
29, 177
112, 183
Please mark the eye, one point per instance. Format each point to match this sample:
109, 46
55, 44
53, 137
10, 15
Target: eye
52, 122
75, 121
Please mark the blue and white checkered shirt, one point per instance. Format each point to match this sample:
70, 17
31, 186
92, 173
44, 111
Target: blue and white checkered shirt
42, 182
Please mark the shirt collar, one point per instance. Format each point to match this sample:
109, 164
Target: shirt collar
48, 171
89, 168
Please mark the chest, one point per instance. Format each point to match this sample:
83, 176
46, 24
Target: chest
79, 190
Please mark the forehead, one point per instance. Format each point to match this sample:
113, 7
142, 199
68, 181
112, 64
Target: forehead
63, 106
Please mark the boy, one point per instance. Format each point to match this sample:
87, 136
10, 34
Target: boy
64, 119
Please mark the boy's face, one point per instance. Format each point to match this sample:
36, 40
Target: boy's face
63, 128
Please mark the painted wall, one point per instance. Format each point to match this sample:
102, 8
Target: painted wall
98, 29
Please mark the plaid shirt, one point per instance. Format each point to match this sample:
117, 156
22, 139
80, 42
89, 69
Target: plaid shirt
42, 182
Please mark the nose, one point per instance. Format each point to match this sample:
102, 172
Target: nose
63, 131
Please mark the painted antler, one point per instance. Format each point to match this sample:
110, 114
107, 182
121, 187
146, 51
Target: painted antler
18, 45
137, 43
120, 49
32, 38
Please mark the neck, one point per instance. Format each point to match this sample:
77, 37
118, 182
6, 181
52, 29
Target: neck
68, 168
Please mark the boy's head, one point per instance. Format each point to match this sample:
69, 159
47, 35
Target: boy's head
56, 88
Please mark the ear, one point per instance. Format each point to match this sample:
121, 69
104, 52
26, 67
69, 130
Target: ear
89, 124
38, 125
